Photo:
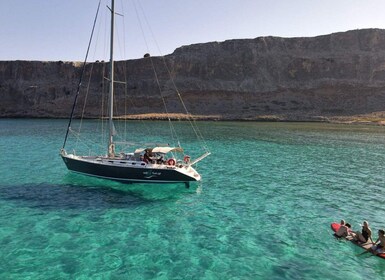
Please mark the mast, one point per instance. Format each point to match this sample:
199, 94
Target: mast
111, 146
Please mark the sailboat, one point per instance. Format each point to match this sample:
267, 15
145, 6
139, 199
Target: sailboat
149, 164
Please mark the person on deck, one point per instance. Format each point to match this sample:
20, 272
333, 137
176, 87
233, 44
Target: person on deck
160, 160
147, 158
379, 248
364, 235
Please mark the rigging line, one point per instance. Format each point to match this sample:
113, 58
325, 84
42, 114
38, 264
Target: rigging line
100, 123
189, 116
172, 128
190, 119
118, 32
81, 76
85, 141
100, 67
124, 72
103, 86
145, 41
117, 64
122, 49
127, 97
86, 97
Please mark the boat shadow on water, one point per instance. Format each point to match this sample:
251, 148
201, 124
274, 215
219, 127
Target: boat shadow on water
99, 196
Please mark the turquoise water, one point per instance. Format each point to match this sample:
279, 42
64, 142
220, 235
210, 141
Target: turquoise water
263, 210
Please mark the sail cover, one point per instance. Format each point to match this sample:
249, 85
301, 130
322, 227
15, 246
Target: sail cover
161, 150
165, 150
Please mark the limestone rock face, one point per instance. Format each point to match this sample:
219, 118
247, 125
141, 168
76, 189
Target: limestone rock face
341, 74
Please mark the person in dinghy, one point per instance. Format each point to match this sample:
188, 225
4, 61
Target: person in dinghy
379, 248
365, 235
344, 230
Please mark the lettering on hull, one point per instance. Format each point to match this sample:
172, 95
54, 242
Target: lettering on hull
151, 174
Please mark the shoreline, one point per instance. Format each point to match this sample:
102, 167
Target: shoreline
360, 119
352, 120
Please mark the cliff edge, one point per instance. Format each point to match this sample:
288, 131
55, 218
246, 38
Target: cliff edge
340, 76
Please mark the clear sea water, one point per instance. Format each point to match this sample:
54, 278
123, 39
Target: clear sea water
263, 210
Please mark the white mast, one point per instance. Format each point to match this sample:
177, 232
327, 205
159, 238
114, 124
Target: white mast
111, 146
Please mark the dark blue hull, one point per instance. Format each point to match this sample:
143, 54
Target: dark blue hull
114, 170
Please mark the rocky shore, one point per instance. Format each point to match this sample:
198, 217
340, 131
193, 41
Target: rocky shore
372, 119
332, 78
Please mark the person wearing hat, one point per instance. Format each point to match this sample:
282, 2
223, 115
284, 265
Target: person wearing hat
364, 235
379, 248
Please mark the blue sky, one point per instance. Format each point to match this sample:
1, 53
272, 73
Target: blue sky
52, 30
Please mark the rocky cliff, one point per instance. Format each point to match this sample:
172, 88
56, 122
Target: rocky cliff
336, 76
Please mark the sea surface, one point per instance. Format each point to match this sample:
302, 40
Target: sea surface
262, 211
